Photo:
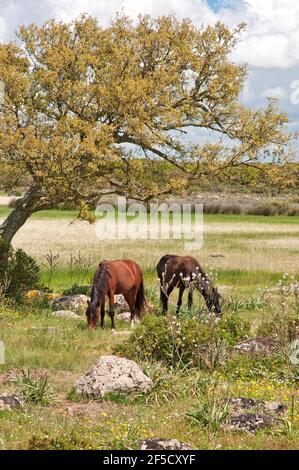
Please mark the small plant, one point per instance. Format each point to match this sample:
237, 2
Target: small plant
79, 267
51, 262
210, 415
37, 391
211, 412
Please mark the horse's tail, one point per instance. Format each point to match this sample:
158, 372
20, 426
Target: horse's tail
140, 300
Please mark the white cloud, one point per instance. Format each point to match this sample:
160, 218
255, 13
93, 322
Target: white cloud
272, 35
277, 92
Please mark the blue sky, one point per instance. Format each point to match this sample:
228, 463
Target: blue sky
269, 47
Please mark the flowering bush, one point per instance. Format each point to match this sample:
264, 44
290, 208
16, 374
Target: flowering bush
184, 342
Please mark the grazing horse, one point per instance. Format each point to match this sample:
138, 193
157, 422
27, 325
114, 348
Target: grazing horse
182, 272
116, 277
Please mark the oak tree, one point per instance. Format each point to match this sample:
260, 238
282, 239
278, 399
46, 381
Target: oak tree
88, 110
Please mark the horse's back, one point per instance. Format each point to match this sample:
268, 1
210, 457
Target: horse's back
173, 264
125, 273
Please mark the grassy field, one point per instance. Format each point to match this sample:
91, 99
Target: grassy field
248, 256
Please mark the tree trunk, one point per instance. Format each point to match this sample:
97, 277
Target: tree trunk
25, 207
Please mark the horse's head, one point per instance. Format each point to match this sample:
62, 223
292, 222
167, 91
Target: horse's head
92, 314
213, 301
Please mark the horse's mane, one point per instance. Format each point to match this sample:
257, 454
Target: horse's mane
100, 284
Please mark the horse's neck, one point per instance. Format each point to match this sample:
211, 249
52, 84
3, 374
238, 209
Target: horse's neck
204, 286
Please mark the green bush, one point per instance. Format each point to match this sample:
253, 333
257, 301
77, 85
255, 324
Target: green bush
76, 290
184, 342
22, 272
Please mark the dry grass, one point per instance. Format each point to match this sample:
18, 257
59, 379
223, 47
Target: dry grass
242, 245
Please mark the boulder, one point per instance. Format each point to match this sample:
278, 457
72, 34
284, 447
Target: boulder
113, 374
242, 403
120, 303
164, 444
70, 302
8, 402
66, 314
124, 316
259, 345
250, 422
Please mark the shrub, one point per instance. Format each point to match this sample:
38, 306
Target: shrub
184, 342
274, 208
23, 272
76, 290
36, 391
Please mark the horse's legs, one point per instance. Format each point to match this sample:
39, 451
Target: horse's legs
190, 300
102, 313
131, 300
180, 299
111, 309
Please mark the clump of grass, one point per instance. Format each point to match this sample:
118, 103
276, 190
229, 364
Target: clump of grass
37, 391
211, 412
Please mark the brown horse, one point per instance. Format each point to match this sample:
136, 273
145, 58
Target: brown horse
183, 272
111, 278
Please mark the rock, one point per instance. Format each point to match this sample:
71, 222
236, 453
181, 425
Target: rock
275, 407
66, 314
164, 444
124, 316
120, 303
250, 422
242, 403
70, 302
262, 345
113, 374
124, 333
8, 402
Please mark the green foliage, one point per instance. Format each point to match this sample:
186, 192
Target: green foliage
184, 342
76, 290
254, 366
72, 441
22, 272
35, 390
210, 414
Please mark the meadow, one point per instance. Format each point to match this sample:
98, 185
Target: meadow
249, 257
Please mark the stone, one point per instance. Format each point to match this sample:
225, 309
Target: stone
250, 422
120, 303
8, 402
124, 316
261, 344
66, 314
70, 302
113, 374
164, 444
243, 403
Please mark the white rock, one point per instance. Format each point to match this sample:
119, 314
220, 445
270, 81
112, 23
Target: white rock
66, 314
70, 302
120, 303
124, 316
113, 374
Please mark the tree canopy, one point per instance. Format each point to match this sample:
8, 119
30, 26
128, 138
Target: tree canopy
90, 110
